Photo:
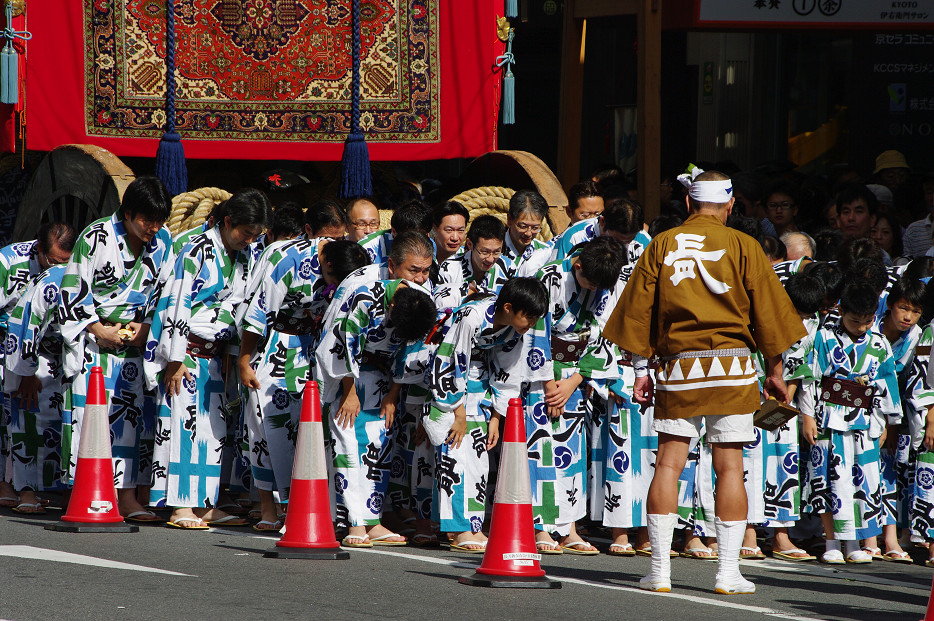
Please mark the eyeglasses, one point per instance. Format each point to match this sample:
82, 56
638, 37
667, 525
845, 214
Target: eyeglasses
531, 228
483, 252
784, 206
362, 225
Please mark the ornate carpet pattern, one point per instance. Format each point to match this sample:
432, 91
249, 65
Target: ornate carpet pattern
263, 70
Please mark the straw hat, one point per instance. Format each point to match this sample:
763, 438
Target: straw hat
890, 159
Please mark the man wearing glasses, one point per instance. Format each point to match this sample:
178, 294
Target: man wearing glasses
527, 211
478, 269
363, 217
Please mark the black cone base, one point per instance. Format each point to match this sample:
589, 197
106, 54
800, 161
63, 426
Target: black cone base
321, 554
510, 582
92, 527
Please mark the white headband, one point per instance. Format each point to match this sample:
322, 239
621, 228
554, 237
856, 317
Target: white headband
706, 191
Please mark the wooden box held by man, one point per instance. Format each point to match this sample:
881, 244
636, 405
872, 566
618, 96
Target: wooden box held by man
702, 298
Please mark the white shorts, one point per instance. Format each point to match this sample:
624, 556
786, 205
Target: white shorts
724, 428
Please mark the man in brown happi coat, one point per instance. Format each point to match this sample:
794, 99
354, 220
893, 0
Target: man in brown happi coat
702, 298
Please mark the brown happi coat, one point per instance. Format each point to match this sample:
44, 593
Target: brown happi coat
698, 288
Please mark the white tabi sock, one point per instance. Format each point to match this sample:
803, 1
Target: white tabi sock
661, 530
832, 544
730, 539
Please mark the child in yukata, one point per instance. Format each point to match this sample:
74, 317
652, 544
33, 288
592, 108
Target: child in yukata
849, 395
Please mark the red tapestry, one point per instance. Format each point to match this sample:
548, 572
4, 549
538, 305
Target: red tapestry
267, 79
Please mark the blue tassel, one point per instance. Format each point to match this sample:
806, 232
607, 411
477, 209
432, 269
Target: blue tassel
512, 8
9, 75
509, 99
170, 163
355, 168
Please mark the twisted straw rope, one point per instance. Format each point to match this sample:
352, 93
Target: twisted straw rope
192, 208
494, 201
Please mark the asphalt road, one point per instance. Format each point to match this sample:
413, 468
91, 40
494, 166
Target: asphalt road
221, 574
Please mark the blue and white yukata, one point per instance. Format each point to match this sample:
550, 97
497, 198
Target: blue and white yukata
478, 367
19, 264
359, 344
915, 462
34, 348
104, 281
516, 262
198, 301
457, 280
620, 438
893, 463
842, 476
285, 304
586, 230
378, 244
557, 447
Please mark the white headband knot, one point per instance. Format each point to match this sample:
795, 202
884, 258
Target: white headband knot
706, 191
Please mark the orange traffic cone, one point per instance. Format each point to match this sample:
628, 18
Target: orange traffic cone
511, 559
929, 615
93, 504
309, 532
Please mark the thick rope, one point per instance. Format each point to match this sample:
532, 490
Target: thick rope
191, 209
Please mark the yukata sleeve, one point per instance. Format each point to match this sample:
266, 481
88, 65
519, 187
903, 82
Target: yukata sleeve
165, 271
447, 372
810, 373
338, 355
171, 324
506, 375
632, 322
537, 349
268, 298
77, 310
29, 323
918, 396
888, 403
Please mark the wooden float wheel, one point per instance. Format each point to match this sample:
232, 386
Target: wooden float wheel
74, 183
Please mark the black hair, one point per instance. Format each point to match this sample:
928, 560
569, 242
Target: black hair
827, 242
247, 207
859, 298
146, 197
922, 267
325, 213
584, 189
749, 185
663, 223
773, 247
527, 201
896, 228
607, 175
745, 224
344, 256
286, 221
413, 313
852, 250
871, 272
830, 275
623, 216
857, 191
413, 215
784, 186
910, 290
806, 292
60, 234
526, 295
449, 208
601, 261
486, 227
410, 242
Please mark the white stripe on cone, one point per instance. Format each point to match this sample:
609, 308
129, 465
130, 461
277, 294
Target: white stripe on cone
309, 458
514, 485
95, 433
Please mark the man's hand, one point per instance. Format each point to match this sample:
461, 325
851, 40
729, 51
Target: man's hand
492, 434
643, 391
774, 385
557, 393
107, 337
28, 392
174, 372
809, 429
350, 404
140, 334
458, 429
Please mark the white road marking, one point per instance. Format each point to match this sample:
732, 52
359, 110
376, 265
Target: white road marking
42, 554
771, 612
